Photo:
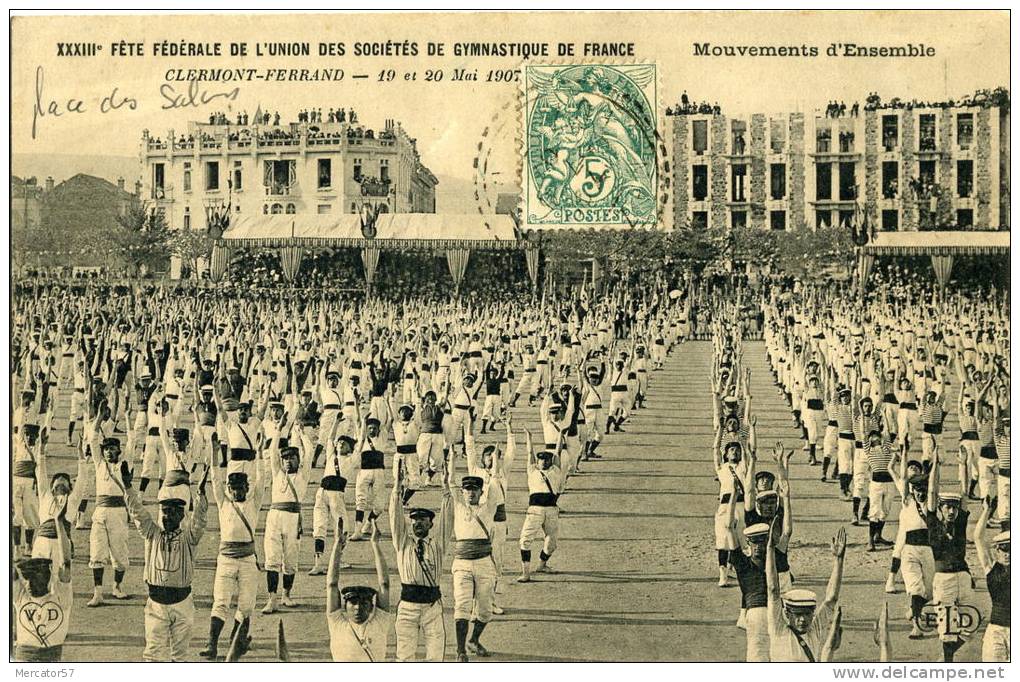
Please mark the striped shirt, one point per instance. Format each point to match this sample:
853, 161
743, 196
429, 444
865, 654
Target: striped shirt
865, 424
844, 418
420, 561
933, 413
879, 457
169, 557
1002, 449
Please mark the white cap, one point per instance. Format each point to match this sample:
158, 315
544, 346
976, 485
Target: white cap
800, 599
756, 529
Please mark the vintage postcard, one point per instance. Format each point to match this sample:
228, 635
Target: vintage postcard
521, 336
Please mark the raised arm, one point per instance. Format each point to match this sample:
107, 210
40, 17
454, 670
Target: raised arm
836, 578
382, 573
333, 574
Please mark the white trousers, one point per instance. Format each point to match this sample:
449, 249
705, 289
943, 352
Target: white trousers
235, 577
108, 538
420, 620
473, 581
329, 506
541, 522
370, 490
168, 630
281, 541
995, 645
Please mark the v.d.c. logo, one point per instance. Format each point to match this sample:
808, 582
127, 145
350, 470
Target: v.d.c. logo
42, 620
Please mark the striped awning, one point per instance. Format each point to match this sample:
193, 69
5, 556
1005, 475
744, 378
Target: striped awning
938, 243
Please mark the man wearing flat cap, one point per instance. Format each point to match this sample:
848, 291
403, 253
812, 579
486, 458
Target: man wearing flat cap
370, 485
545, 485
474, 573
170, 544
798, 624
237, 562
420, 553
108, 535
357, 615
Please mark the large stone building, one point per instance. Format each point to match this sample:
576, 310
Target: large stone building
906, 169
296, 168
26, 202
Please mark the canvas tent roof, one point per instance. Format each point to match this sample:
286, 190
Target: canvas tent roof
393, 230
935, 243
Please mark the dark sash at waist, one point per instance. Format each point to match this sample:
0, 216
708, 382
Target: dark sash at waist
832, 422
237, 550
815, 404
989, 452
1004, 471
335, 483
168, 595
48, 529
542, 500
619, 388
172, 396
407, 449
846, 436
881, 477
500, 514
331, 406
292, 507
242, 455
890, 398
933, 429
25, 468
372, 459
110, 501
969, 435
918, 537
153, 431
596, 406
420, 594
908, 406
472, 549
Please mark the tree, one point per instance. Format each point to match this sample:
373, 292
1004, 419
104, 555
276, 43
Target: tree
143, 238
189, 246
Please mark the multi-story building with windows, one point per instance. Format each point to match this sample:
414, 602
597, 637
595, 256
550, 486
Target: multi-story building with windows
906, 169
297, 168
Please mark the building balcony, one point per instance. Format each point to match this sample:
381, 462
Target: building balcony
282, 191
372, 187
835, 155
834, 203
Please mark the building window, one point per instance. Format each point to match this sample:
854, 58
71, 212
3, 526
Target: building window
847, 181
823, 219
187, 218
926, 128
279, 177
777, 220
187, 176
212, 176
699, 220
777, 135
357, 170
890, 179
777, 176
739, 144
890, 132
964, 218
354, 207
964, 130
325, 208
927, 175
325, 173
846, 218
384, 170
964, 178
739, 220
238, 185
846, 142
700, 182
823, 140
158, 181
277, 209
823, 181
291, 209
739, 173
699, 130
890, 220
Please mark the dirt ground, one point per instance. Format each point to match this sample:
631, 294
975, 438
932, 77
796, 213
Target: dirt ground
635, 570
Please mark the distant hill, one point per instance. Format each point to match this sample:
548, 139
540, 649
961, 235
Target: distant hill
457, 195
64, 166
453, 194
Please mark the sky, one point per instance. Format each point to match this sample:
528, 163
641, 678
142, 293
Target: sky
450, 118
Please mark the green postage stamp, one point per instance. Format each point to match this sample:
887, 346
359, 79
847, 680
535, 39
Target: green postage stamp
590, 146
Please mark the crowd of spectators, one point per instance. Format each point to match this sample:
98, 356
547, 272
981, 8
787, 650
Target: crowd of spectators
688, 106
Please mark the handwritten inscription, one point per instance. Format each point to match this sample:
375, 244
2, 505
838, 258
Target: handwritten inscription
46, 106
194, 97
